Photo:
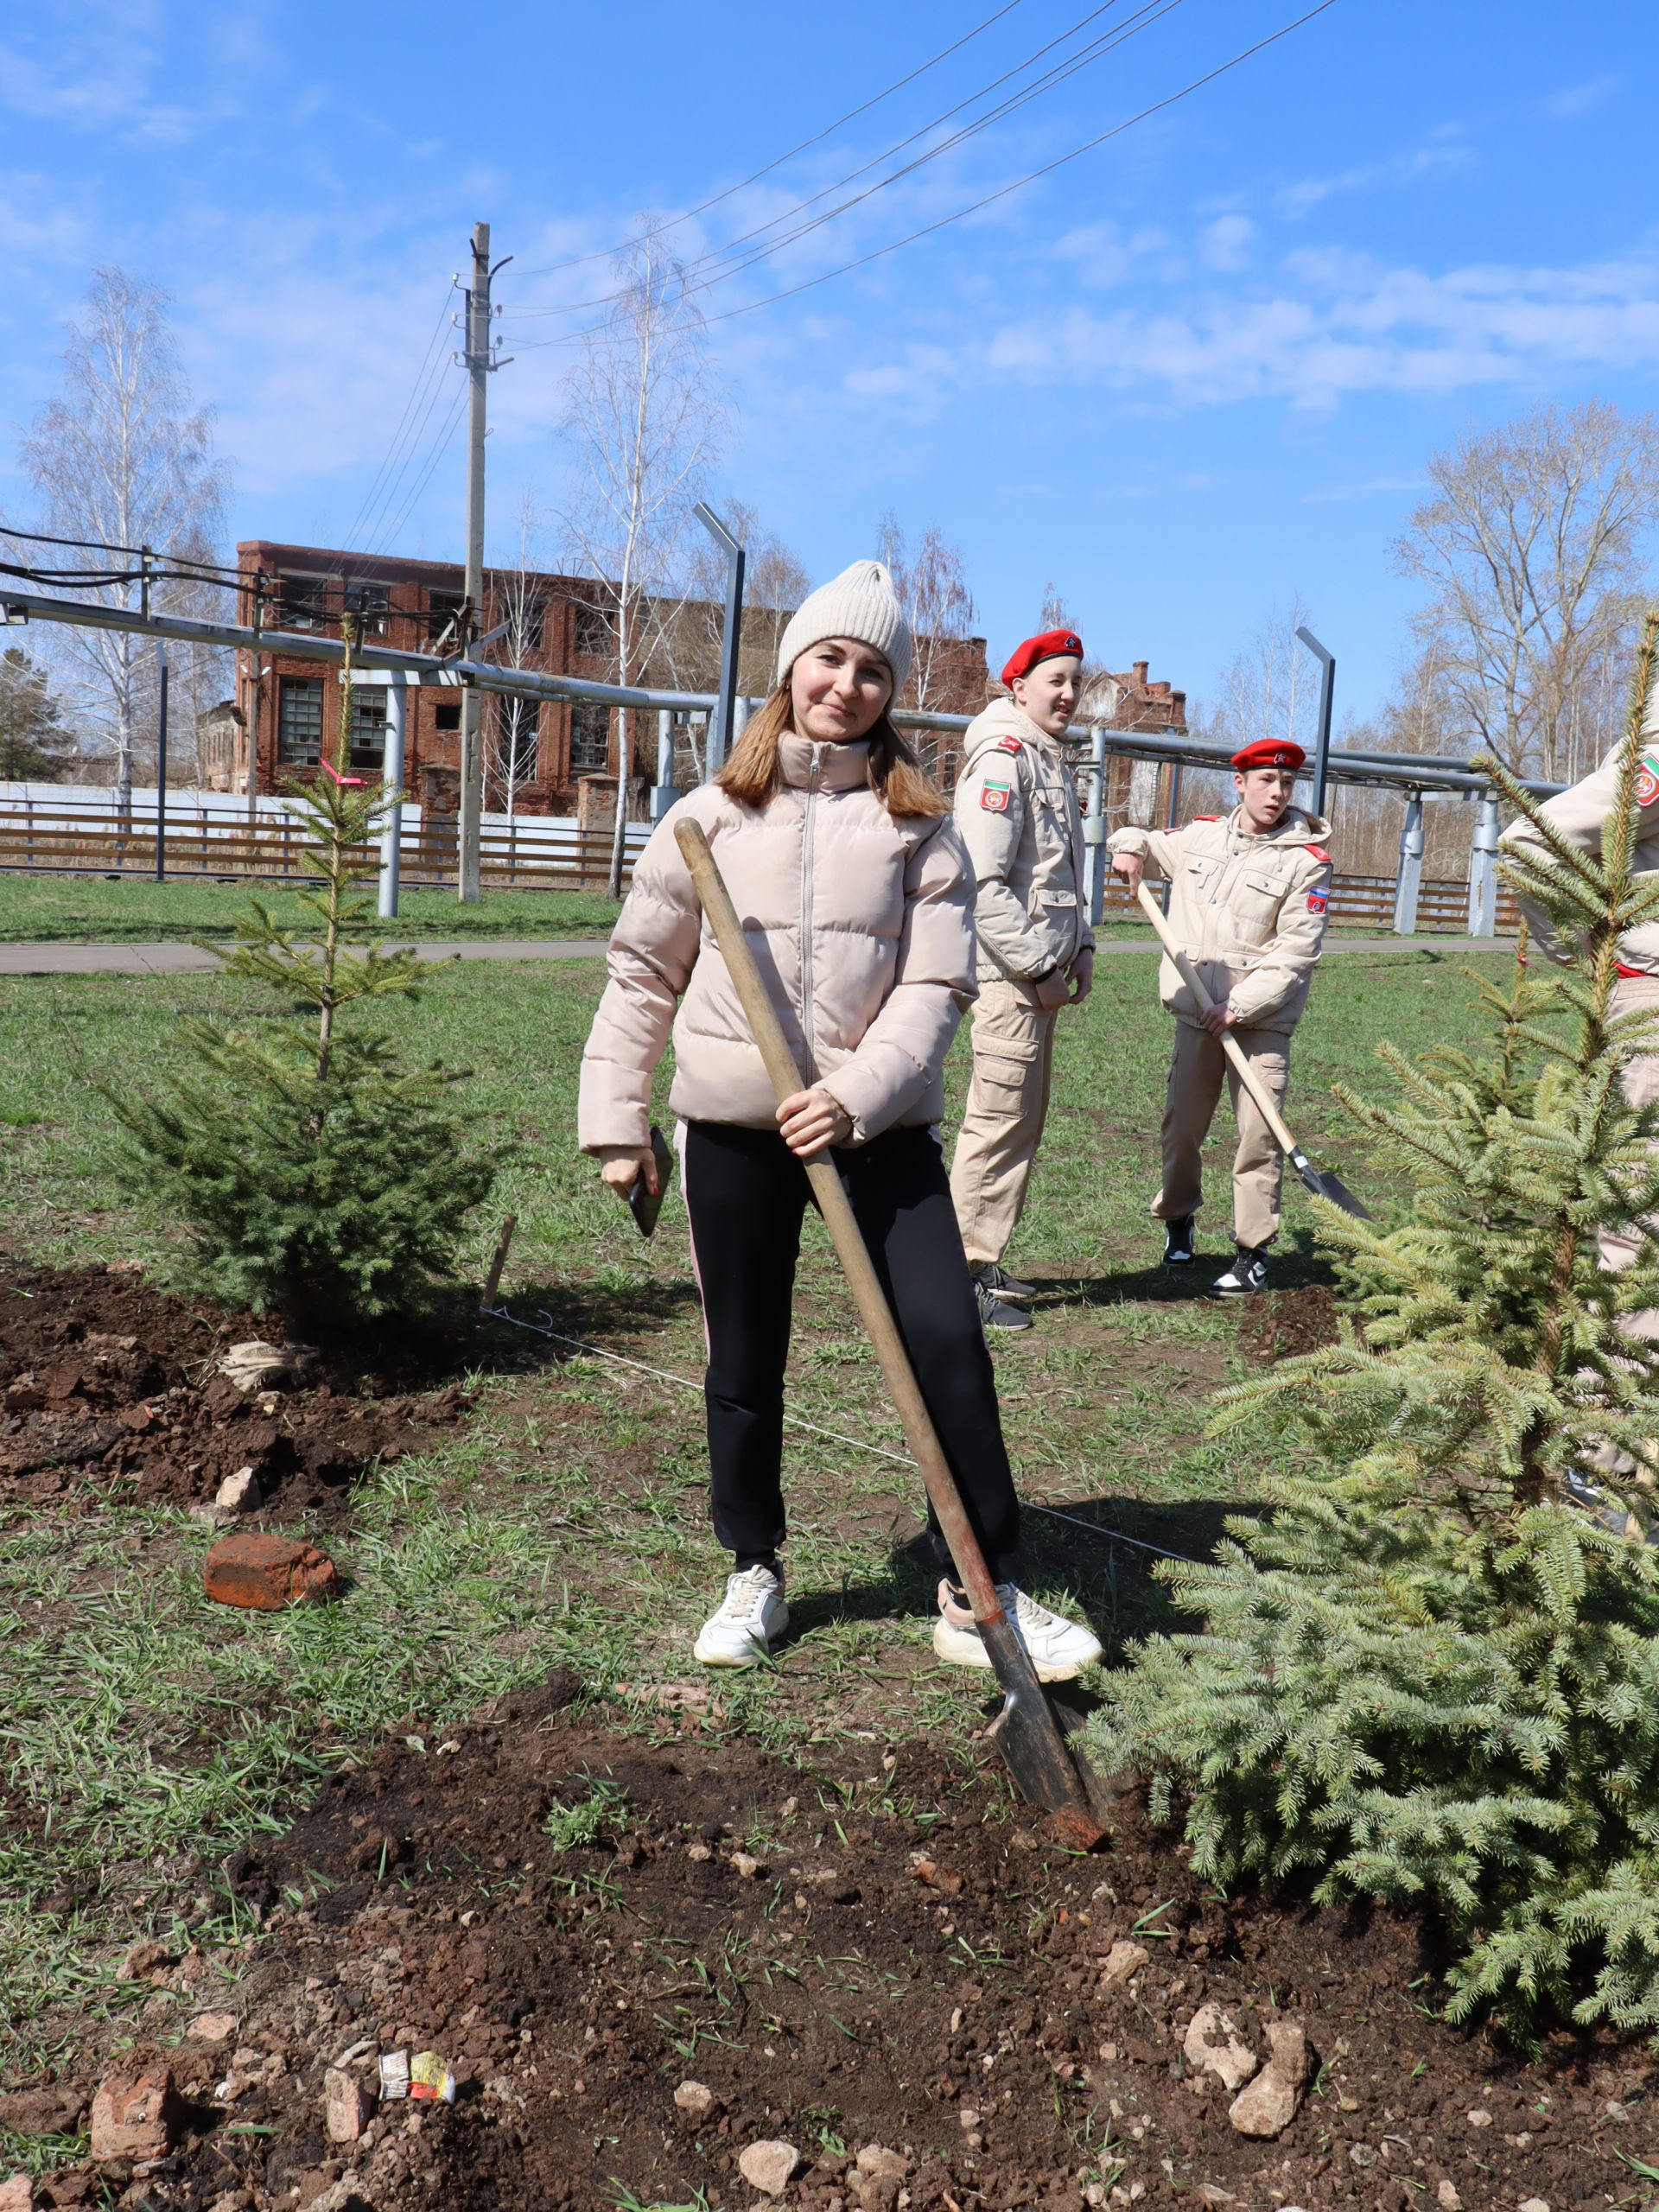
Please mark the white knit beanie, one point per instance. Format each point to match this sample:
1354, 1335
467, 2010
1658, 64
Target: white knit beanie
860, 603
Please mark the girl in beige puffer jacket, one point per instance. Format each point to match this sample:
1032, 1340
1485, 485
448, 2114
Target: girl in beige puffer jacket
857, 896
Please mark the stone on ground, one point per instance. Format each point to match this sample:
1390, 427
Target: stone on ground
1214, 2046
769, 2167
134, 2115
1122, 1960
694, 2100
345, 2105
266, 1573
1270, 2104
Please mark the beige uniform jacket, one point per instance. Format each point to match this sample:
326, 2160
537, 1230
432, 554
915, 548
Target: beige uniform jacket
862, 925
1017, 809
1249, 912
1580, 815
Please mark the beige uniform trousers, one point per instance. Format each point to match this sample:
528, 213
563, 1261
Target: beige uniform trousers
1195, 1078
1007, 1105
1634, 994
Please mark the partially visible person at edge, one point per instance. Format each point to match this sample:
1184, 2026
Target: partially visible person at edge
1250, 891
1579, 815
1016, 806
856, 895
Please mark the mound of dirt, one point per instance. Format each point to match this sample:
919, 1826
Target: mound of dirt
642, 1957
105, 1381
1288, 1321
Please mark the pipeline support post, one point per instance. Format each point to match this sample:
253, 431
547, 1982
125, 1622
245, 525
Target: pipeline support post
1409, 885
1327, 693
1094, 824
392, 830
1483, 871
722, 731
662, 792
161, 764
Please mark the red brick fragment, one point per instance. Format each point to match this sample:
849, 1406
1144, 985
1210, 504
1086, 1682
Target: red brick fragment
268, 1572
135, 2115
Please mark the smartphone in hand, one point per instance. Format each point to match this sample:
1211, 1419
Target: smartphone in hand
645, 1207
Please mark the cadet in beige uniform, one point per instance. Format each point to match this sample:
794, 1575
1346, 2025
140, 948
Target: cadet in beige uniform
1017, 809
1248, 905
1580, 815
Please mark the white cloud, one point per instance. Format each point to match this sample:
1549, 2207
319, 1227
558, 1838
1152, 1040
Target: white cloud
1338, 324
1445, 158
1574, 100
1225, 242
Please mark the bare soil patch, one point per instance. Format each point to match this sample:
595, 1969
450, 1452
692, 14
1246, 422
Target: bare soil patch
107, 1383
1287, 1322
881, 1953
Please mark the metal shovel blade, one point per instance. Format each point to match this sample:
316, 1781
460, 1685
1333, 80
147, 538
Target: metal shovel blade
1325, 1185
1029, 1737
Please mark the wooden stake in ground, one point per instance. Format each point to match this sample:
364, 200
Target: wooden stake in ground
1025, 1732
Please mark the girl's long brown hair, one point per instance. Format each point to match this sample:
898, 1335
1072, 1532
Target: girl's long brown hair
754, 774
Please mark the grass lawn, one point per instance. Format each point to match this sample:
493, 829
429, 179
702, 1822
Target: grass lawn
137, 910
144, 1731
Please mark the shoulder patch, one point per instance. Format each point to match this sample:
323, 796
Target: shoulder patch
994, 794
1009, 745
1206, 817
1647, 779
1320, 854
1317, 899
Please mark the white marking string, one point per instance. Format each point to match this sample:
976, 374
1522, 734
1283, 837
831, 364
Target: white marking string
544, 1328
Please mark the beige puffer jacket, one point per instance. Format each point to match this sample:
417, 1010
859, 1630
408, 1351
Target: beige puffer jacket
1580, 814
1017, 809
861, 924
1248, 910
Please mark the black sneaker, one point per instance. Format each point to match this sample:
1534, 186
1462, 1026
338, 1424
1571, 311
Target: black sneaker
995, 1313
1177, 1242
1246, 1277
996, 1278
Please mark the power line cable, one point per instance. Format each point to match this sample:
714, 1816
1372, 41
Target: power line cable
989, 199
1056, 74
360, 520
414, 461
440, 446
1032, 176
609, 253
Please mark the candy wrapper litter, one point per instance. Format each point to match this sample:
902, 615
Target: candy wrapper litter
430, 2080
394, 2074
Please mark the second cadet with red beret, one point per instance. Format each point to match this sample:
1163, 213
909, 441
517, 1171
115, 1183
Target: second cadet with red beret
1017, 809
1250, 891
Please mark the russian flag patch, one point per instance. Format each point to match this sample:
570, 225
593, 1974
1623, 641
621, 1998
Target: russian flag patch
1318, 901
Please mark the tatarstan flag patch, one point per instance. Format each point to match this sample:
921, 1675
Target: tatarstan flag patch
994, 794
1647, 779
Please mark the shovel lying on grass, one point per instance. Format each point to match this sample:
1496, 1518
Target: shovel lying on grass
1319, 1180
1027, 1732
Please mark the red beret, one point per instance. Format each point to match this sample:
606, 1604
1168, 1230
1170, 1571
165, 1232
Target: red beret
1053, 645
1270, 752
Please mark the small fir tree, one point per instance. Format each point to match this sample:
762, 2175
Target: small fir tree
34, 747
316, 1172
1430, 1676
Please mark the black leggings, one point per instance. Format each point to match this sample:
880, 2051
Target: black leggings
746, 1195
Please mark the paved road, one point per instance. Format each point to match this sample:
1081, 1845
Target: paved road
189, 960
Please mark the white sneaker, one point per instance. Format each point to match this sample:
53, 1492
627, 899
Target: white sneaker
1059, 1649
752, 1616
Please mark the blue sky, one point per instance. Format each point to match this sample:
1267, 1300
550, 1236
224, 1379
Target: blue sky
1184, 377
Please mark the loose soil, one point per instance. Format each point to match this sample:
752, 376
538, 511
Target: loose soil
107, 1384
1287, 1322
883, 1951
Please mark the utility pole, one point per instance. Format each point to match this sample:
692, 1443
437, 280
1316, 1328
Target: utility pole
478, 363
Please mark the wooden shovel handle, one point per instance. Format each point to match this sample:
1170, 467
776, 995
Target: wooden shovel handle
836, 1209
1230, 1044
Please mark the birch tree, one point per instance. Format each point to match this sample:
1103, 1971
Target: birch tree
515, 732
1532, 545
122, 458
932, 582
644, 418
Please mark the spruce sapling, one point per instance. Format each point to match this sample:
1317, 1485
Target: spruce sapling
1430, 1675
316, 1171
